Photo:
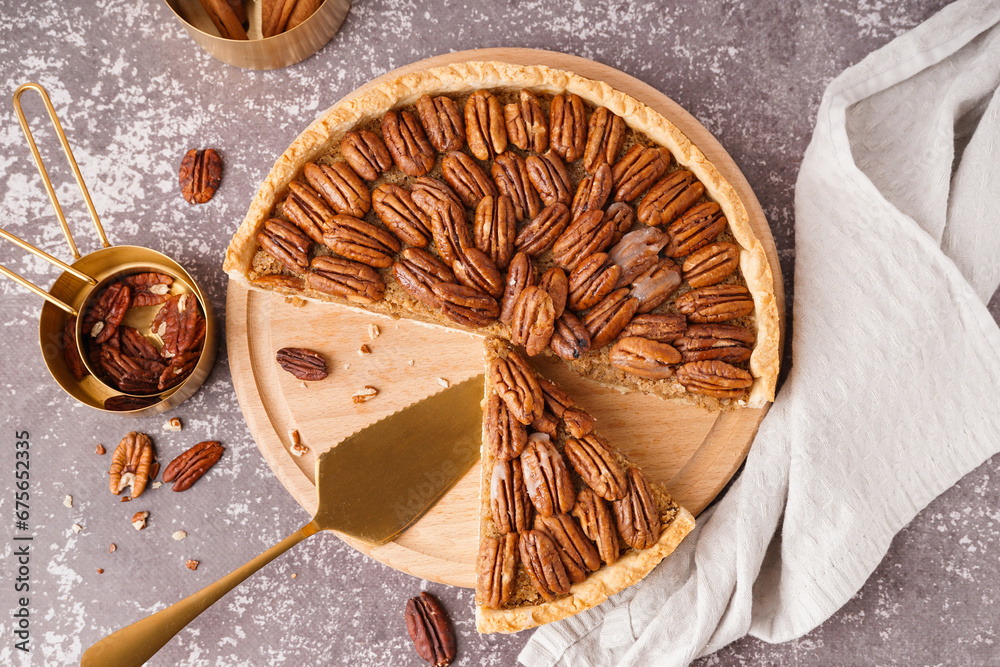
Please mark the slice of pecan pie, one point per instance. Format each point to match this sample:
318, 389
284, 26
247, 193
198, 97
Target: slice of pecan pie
530, 204
566, 519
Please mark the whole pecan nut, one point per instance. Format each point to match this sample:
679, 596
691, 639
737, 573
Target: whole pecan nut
533, 321
711, 264
451, 231
361, 241
570, 338
466, 178
190, 466
136, 345
656, 285
395, 208
545, 568
605, 138
644, 357
106, 314
671, 196
286, 243
637, 513
594, 461
149, 288
407, 143
527, 127
466, 305
567, 126
366, 153
546, 476
696, 228
342, 189
484, 125
557, 401
510, 173
714, 378
515, 382
417, 271
130, 464
496, 570
303, 363
475, 269
179, 325
638, 169
178, 369
509, 503
199, 175
592, 280
716, 303
622, 216
429, 193
494, 228
506, 436
577, 552
597, 523
306, 208
662, 327
593, 191
541, 233
346, 279
442, 121
428, 626
555, 282
549, 176
520, 274
586, 235
609, 317
636, 252
724, 342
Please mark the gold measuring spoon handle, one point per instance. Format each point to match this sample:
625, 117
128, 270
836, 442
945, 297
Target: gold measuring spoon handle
135, 644
69, 156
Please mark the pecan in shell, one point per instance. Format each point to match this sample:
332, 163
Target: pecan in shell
442, 121
199, 175
301, 362
407, 143
190, 466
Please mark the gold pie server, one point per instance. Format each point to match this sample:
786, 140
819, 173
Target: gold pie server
371, 487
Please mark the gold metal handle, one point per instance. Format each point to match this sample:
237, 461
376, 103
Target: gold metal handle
135, 644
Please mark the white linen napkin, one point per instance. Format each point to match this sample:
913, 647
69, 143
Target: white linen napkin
892, 396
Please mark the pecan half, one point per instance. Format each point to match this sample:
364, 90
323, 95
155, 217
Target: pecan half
711, 264
484, 125
149, 288
466, 305
546, 476
578, 554
494, 229
578, 422
608, 318
637, 252
714, 378
179, 325
496, 570
189, 467
527, 127
342, 189
656, 285
475, 269
199, 175
303, 363
534, 317
442, 121
554, 282
407, 143
593, 191
605, 138
716, 303
509, 503
136, 345
696, 228
428, 626
306, 208
644, 357
593, 460
466, 178
637, 513
623, 216
662, 327
366, 153
549, 176
397, 211
349, 280
570, 338
592, 280
130, 374
361, 241
567, 126
541, 233
544, 566
724, 342
586, 235
104, 317
515, 382
429, 193
671, 196
286, 243
506, 436
598, 524
520, 274
129, 403
638, 169
71, 352
450, 230
510, 173
557, 401
178, 369
418, 271
130, 463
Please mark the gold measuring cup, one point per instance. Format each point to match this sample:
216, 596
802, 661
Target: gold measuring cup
81, 283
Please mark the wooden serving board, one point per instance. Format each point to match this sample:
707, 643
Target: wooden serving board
694, 451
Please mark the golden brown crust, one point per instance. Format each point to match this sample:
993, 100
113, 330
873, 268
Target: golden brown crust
371, 102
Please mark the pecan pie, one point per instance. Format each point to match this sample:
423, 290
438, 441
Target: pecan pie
496, 174
566, 520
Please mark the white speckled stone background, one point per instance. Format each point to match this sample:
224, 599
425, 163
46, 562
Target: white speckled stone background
134, 93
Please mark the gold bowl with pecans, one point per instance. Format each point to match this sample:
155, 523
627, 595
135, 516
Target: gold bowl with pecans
246, 45
160, 344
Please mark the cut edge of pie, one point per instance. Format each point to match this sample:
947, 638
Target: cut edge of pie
631, 566
369, 102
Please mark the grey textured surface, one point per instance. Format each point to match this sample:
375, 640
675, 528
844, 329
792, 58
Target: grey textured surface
134, 93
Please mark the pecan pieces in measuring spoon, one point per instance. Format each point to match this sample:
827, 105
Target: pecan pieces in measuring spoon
179, 325
188, 468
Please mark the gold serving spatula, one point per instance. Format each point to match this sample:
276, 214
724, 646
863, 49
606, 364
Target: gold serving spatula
372, 487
